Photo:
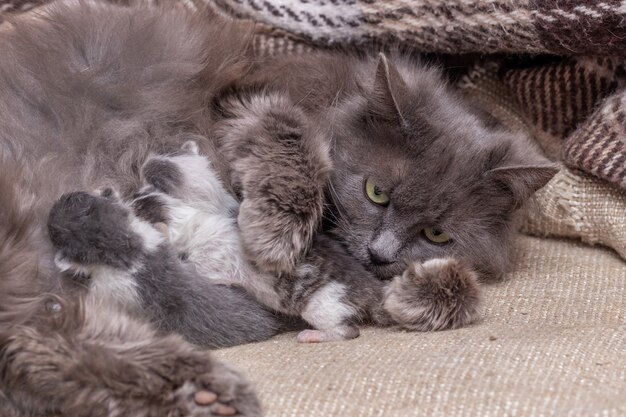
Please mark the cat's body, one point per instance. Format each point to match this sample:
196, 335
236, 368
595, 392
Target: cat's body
89, 91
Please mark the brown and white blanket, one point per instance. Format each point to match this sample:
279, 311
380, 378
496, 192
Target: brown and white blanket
553, 68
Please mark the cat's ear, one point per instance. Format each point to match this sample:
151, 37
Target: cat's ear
389, 87
523, 180
191, 147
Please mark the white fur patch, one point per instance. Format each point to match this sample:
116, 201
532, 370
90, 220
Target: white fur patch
150, 236
326, 309
105, 283
211, 241
438, 263
65, 265
115, 285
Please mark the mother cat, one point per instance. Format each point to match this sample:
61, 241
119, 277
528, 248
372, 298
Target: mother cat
381, 152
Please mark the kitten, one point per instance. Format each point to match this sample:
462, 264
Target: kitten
125, 261
329, 289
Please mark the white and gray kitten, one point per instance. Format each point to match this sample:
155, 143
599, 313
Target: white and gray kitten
329, 289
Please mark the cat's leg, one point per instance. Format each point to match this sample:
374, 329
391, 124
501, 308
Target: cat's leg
96, 361
279, 164
327, 311
435, 295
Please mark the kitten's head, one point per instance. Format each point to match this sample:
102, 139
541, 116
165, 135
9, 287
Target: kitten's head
94, 230
418, 176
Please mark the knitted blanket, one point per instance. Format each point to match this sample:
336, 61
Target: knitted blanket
552, 68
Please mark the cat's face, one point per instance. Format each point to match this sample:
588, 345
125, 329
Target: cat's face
417, 176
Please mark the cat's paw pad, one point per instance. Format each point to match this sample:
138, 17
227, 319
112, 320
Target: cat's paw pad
274, 240
199, 402
221, 392
321, 336
438, 294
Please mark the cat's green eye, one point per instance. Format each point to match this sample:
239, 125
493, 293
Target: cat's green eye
436, 236
375, 194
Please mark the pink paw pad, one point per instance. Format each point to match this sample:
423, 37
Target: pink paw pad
311, 336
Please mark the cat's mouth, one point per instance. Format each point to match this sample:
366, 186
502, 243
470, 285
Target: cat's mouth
386, 271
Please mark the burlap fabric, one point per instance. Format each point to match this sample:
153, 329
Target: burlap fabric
552, 343
574, 204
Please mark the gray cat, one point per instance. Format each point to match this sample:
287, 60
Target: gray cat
331, 290
376, 153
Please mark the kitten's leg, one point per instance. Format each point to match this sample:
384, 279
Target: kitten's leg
435, 295
280, 166
99, 362
336, 334
328, 313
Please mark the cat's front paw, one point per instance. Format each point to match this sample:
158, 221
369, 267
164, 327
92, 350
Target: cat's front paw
274, 239
438, 294
221, 392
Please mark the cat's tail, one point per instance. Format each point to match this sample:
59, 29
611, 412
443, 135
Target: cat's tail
438, 294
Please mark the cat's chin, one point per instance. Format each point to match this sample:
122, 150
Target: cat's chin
386, 272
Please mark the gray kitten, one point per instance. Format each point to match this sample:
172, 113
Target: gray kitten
125, 260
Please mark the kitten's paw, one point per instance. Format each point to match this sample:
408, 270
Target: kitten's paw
164, 229
438, 294
221, 392
320, 336
275, 239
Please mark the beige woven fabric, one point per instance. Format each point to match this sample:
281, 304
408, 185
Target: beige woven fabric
573, 204
580, 206
552, 343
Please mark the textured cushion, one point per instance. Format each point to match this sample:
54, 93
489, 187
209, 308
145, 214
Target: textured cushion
574, 204
577, 205
552, 342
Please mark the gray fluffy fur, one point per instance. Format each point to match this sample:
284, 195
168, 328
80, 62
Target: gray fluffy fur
87, 91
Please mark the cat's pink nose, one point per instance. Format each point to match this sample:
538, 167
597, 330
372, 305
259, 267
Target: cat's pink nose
383, 249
